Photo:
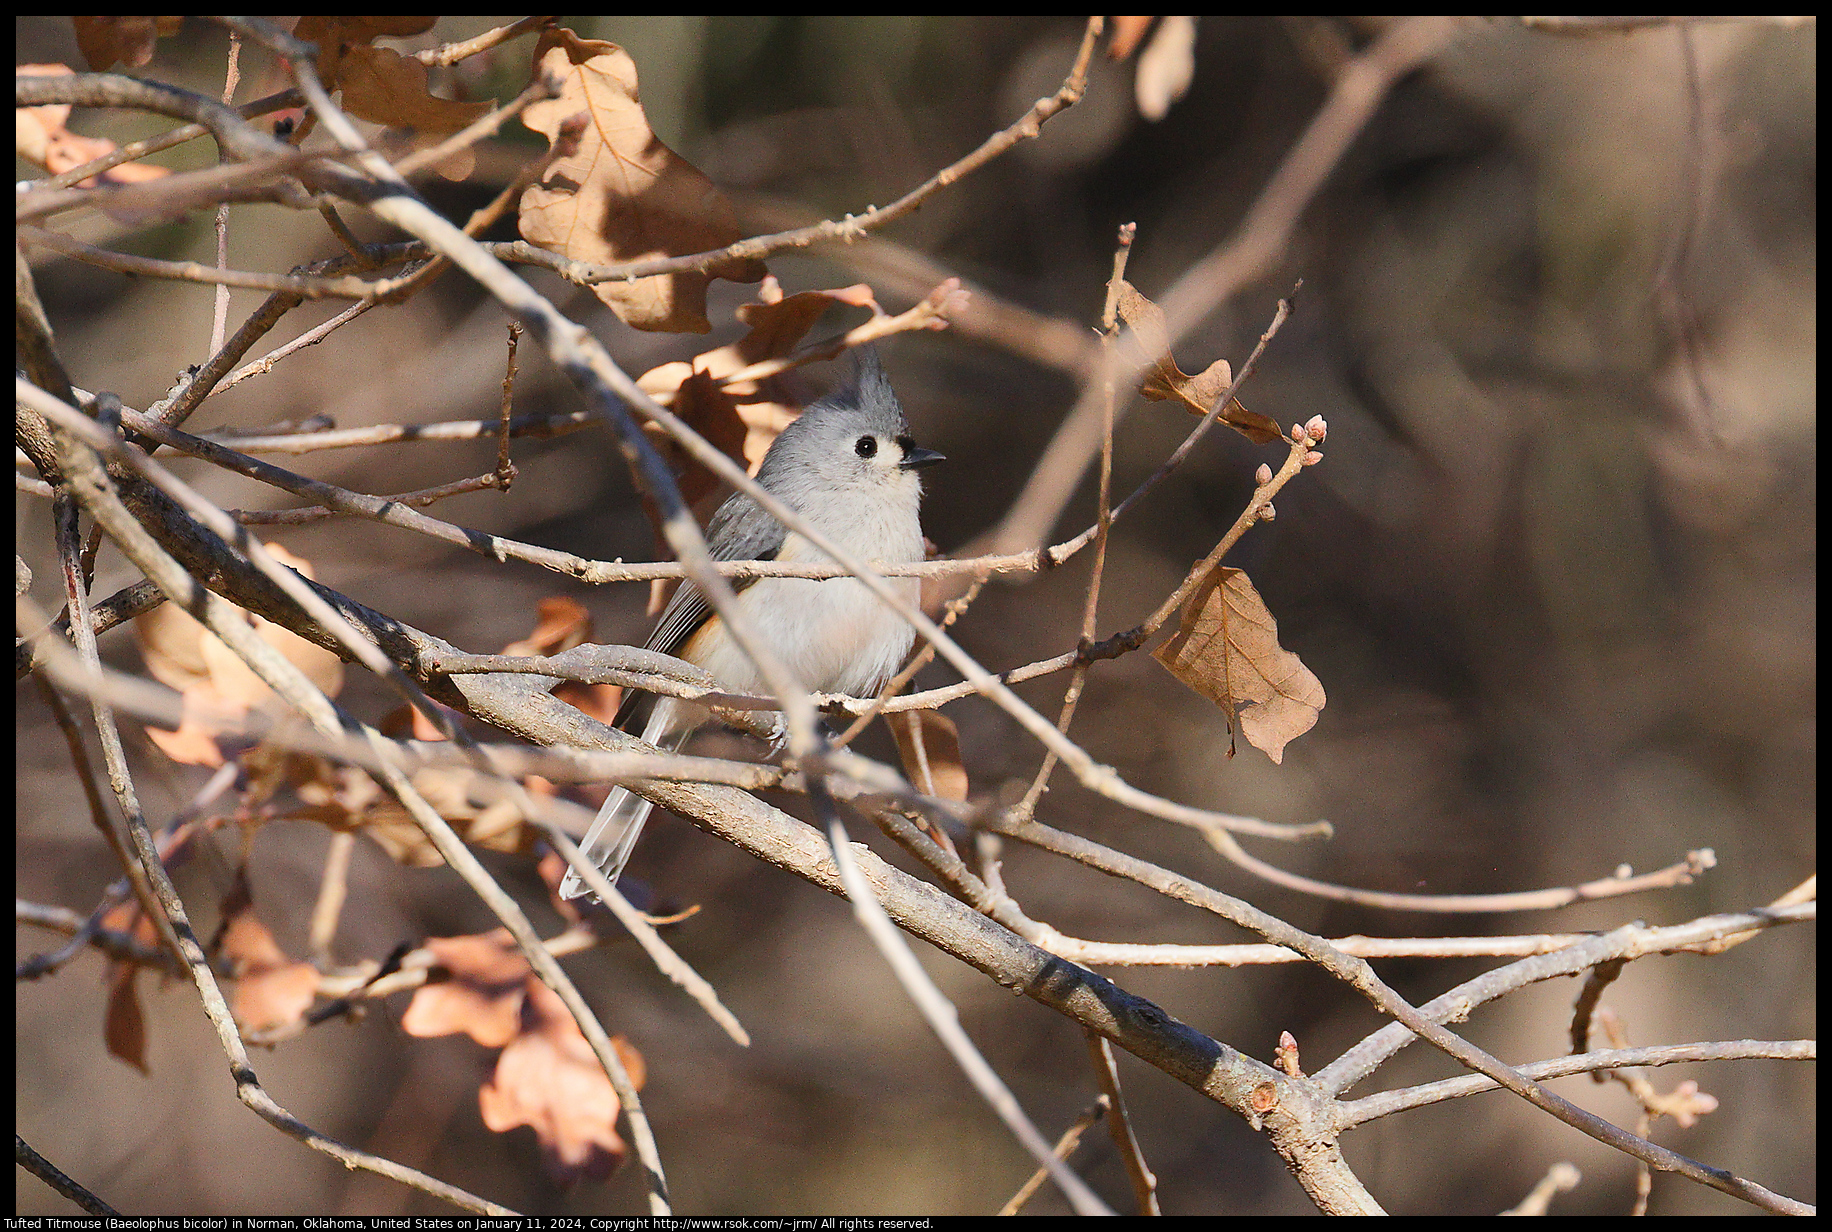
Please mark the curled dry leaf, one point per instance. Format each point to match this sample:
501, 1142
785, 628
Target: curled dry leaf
107, 41
1227, 649
488, 981
124, 1024
930, 746
1164, 381
1166, 67
623, 195
40, 137
548, 1079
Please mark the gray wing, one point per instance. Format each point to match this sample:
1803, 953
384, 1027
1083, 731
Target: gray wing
738, 531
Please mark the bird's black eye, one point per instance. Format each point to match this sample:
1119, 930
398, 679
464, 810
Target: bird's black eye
866, 446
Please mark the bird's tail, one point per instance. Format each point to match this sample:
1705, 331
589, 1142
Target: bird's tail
619, 823
610, 840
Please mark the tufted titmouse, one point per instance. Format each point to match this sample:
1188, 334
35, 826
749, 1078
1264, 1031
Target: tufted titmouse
849, 467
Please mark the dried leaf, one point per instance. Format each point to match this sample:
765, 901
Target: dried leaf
1166, 67
549, 1079
40, 137
124, 1021
383, 86
345, 798
106, 41
1227, 649
1165, 381
335, 35
1128, 32
482, 998
623, 195
930, 746
780, 321
180, 652
708, 410
271, 989
742, 418
563, 623
175, 643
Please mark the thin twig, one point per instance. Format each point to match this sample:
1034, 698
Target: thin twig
333, 888
856, 226
90, 485
1263, 235
1409, 1021
219, 321
191, 271
1352, 1113
505, 469
1119, 1124
941, 1015
136, 150
51, 1175
1065, 1147
1560, 1178
1103, 512
660, 953
1683, 872
448, 54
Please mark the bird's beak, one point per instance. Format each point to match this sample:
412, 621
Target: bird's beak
916, 457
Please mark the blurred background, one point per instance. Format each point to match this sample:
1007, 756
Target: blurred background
1557, 574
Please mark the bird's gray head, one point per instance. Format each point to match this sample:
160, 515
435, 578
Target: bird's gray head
855, 439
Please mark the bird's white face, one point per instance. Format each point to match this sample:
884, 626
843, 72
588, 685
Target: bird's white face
864, 457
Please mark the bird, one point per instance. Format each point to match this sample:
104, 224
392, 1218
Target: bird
849, 467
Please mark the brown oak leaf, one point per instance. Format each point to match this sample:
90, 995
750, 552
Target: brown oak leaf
271, 989
181, 653
124, 1022
107, 41
385, 87
623, 195
483, 996
930, 745
1165, 382
40, 137
549, 1079
1227, 649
